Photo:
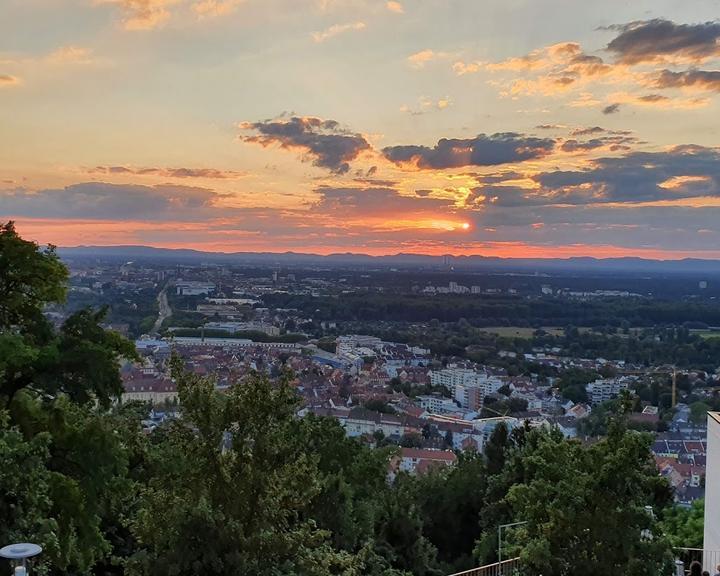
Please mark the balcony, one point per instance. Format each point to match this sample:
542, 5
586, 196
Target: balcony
505, 568
709, 559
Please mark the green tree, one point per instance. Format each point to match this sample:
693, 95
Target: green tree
585, 507
411, 440
24, 512
55, 391
684, 526
451, 501
231, 487
30, 278
698, 412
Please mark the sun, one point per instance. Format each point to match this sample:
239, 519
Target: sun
465, 226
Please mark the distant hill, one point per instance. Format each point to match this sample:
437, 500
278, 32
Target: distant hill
585, 263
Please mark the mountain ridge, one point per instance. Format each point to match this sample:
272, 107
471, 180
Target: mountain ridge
627, 263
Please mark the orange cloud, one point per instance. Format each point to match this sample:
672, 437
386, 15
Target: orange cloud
419, 59
336, 30
394, 6
210, 173
461, 68
8, 80
211, 8
142, 14
71, 54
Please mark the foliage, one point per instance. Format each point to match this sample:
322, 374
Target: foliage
30, 277
233, 470
684, 526
572, 383
571, 527
698, 412
379, 406
55, 390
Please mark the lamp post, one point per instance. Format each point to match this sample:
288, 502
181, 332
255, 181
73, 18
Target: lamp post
19, 553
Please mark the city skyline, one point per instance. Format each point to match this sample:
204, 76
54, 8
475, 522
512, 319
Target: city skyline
516, 128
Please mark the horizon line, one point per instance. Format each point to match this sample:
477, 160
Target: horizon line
380, 256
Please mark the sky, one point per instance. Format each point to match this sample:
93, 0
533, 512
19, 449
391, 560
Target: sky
517, 128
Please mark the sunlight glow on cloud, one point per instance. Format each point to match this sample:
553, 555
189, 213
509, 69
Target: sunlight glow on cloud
420, 59
336, 30
565, 70
210, 8
71, 54
8, 80
142, 14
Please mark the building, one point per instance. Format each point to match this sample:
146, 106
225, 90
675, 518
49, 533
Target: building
471, 395
468, 387
232, 327
437, 404
603, 390
149, 389
353, 341
711, 542
420, 460
192, 288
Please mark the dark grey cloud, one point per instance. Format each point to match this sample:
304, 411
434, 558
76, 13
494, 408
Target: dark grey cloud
212, 173
649, 40
587, 65
653, 98
573, 145
375, 201
662, 227
102, 201
324, 141
590, 130
611, 109
700, 79
483, 150
639, 177
497, 177
614, 143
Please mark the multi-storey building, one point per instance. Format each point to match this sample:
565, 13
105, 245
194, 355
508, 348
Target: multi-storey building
603, 390
437, 404
468, 387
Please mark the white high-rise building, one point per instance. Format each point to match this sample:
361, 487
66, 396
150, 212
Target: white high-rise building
468, 387
711, 542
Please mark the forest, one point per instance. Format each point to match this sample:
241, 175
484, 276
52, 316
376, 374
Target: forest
501, 310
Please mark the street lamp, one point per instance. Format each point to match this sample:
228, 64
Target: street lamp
19, 553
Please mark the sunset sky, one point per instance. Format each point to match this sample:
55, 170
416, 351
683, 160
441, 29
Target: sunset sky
528, 128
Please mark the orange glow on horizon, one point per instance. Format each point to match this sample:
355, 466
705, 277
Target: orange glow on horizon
95, 233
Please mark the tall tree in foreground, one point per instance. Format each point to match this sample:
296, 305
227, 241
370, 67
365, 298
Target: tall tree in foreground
589, 510
55, 386
231, 483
